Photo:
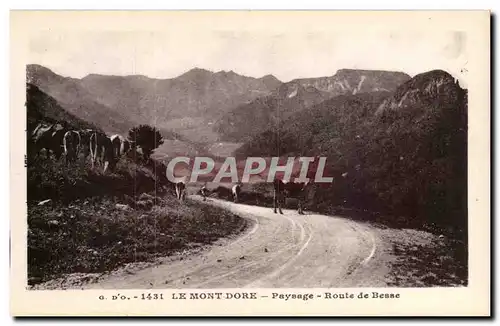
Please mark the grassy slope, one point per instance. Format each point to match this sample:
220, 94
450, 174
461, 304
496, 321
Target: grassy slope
92, 235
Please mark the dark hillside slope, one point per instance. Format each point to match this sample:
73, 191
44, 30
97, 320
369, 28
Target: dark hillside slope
44, 108
75, 99
422, 131
248, 120
319, 130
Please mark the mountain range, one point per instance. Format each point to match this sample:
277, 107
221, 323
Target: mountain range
188, 103
202, 106
299, 95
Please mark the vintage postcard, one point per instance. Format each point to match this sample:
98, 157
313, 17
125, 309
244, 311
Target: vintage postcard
250, 163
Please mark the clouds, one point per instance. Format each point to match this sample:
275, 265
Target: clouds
254, 52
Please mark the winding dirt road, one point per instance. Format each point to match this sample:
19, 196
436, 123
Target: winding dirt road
289, 250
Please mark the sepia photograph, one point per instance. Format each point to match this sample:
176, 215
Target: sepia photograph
207, 151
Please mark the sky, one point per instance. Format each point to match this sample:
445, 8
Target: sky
286, 55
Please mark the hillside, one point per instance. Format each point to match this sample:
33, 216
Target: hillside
247, 120
75, 99
266, 113
42, 107
402, 154
424, 88
319, 130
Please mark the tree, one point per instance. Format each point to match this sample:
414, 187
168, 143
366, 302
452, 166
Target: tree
147, 138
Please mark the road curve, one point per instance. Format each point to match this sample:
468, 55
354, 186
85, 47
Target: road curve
276, 251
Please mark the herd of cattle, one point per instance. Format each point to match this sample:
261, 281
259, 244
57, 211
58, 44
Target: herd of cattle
296, 190
281, 190
56, 139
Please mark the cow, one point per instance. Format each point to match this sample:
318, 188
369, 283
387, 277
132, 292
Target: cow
101, 150
121, 145
85, 135
180, 190
278, 195
281, 190
71, 145
40, 139
48, 137
297, 190
204, 192
126, 146
236, 191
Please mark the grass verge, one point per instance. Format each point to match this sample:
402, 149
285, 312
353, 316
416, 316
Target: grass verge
94, 236
83, 221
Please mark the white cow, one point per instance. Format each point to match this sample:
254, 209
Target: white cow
236, 191
204, 192
71, 144
85, 135
180, 190
120, 145
101, 150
